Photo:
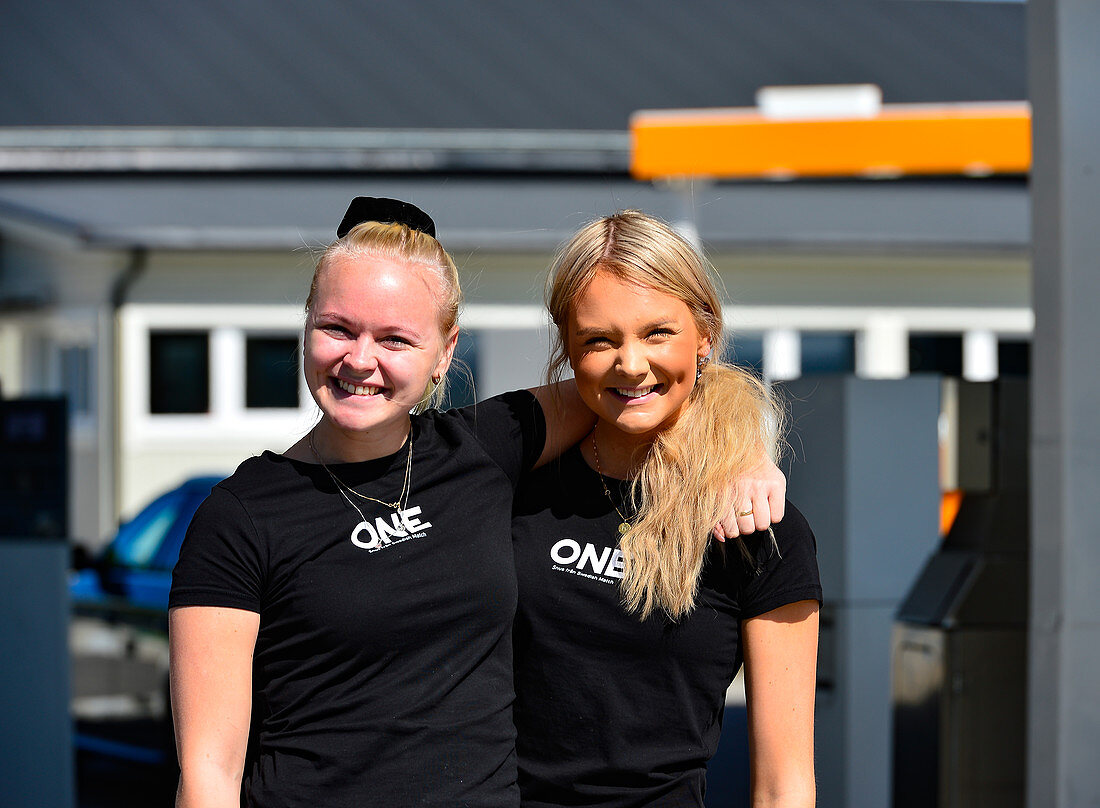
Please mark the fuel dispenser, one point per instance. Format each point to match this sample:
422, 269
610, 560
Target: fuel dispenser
960, 637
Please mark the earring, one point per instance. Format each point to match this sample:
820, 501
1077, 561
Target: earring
437, 378
700, 365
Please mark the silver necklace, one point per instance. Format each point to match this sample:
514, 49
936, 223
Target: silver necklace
346, 491
624, 523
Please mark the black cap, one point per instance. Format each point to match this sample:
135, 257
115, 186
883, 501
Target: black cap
391, 211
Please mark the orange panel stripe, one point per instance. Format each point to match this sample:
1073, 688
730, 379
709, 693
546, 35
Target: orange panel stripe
948, 139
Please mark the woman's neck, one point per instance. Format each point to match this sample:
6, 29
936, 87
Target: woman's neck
614, 453
333, 445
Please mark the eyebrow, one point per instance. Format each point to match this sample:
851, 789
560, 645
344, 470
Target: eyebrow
591, 330
401, 330
587, 332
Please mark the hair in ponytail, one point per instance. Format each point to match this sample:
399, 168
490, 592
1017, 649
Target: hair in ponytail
682, 490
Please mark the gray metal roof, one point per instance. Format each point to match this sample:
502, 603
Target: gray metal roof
487, 64
517, 213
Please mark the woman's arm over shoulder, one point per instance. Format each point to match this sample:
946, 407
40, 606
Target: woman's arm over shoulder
780, 648
211, 682
568, 418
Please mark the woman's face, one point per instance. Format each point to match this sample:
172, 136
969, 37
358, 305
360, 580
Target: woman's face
634, 352
372, 343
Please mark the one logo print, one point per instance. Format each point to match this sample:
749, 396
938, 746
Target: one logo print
570, 556
401, 526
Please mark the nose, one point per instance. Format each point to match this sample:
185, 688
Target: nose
361, 356
631, 360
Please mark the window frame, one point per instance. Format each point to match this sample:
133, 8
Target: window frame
229, 326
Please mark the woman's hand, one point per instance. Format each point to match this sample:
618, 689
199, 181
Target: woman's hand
756, 501
211, 680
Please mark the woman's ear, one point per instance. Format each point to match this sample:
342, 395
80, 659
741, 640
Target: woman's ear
704, 347
444, 363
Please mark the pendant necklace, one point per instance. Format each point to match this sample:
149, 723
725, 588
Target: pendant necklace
346, 491
624, 523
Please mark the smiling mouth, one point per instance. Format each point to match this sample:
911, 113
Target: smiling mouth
636, 392
358, 389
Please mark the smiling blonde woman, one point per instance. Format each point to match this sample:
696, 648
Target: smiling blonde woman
632, 622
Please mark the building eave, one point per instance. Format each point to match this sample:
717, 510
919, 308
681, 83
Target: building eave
221, 150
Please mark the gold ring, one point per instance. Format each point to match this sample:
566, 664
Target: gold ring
744, 513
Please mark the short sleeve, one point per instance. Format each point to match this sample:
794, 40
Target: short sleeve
221, 562
510, 427
788, 569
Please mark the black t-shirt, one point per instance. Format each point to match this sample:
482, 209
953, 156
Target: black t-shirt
610, 710
382, 673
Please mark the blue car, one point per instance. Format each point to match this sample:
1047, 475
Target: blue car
118, 634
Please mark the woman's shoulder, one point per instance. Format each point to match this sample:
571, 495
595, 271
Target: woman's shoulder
510, 427
794, 528
515, 405
257, 475
786, 565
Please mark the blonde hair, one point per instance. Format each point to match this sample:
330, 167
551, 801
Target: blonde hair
398, 242
730, 422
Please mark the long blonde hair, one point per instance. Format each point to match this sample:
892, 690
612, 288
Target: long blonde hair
731, 420
398, 242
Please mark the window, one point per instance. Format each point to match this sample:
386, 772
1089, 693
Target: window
824, 352
1014, 358
179, 372
936, 354
271, 372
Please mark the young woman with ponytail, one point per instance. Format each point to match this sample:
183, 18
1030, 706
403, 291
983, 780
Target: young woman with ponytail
632, 620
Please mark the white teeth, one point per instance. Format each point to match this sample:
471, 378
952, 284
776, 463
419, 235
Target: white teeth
634, 392
357, 389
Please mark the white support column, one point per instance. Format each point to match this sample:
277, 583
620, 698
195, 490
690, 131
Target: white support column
980, 356
782, 354
882, 348
227, 369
